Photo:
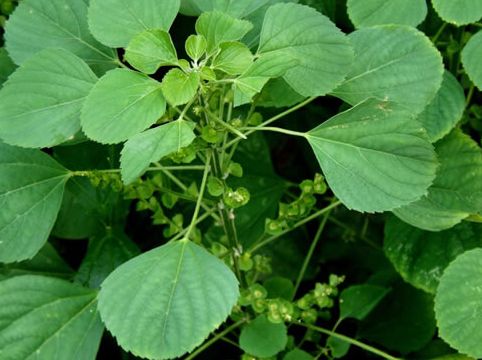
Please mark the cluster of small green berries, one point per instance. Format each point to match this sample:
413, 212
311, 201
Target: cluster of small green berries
299, 208
103, 180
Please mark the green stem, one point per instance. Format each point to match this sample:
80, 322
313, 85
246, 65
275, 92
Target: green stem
349, 340
150, 169
439, 32
469, 95
275, 129
309, 255
215, 338
228, 126
199, 220
200, 197
313, 216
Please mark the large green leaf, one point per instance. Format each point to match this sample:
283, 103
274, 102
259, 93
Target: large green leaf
31, 189
322, 51
47, 262
6, 66
403, 321
365, 13
393, 62
375, 156
150, 50
47, 319
40, 103
107, 251
233, 58
421, 256
115, 22
263, 338
236, 8
152, 145
119, 97
471, 55
457, 190
458, 305
359, 300
445, 109
179, 87
165, 302
39, 24
218, 27
458, 12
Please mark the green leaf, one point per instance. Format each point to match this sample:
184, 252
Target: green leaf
471, 55
150, 50
322, 51
457, 190
115, 22
279, 287
277, 93
47, 318
359, 300
39, 24
179, 87
395, 63
297, 354
218, 27
152, 145
47, 262
6, 66
234, 58
106, 252
263, 338
196, 46
31, 189
178, 288
421, 256
365, 13
235, 8
40, 103
457, 304
458, 12
375, 157
404, 321
445, 109
119, 97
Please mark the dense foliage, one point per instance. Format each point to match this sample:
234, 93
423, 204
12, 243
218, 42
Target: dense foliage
149, 209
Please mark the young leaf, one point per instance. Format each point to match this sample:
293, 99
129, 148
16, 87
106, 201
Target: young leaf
297, 354
458, 308
106, 252
178, 288
395, 63
179, 87
322, 51
115, 22
40, 103
234, 58
48, 318
471, 55
39, 24
6, 66
365, 13
455, 194
119, 97
458, 12
235, 8
150, 50
359, 300
375, 157
196, 46
31, 189
218, 27
152, 145
263, 338
421, 256
445, 109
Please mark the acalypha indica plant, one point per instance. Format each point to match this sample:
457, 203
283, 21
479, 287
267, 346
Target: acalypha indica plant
150, 208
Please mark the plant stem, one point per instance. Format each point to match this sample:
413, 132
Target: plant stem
200, 196
150, 169
214, 339
309, 255
199, 220
439, 32
349, 340
227, 125
295, 226
276, 129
